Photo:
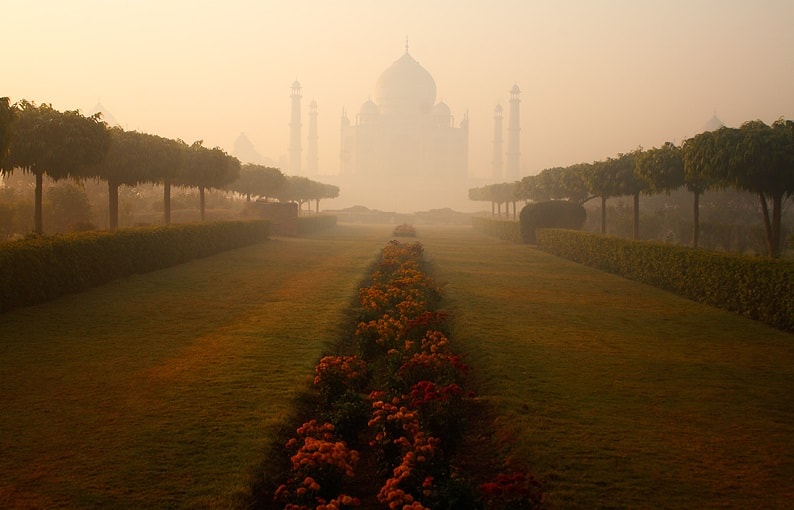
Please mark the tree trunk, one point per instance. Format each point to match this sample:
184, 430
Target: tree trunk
167, 202
202, 203
38, 224
113, 204
777, 205
493, 209
696, 221
636, 216
603, 214
767, 225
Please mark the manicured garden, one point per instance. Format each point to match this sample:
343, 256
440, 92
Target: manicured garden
184, 388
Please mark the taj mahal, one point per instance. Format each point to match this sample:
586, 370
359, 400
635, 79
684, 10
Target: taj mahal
403, 147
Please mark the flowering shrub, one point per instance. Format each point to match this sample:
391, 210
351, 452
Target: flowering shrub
431, 360
383, 332
320, 464
441, 408
415, 412
334, 375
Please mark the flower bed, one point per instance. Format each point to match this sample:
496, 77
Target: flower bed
400, 402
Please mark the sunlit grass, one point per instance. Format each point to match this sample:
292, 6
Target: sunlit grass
160, 390
616, 394
164, 389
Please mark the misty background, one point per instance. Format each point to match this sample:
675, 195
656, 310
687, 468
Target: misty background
597, 78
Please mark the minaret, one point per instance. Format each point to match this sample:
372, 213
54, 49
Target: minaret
513, 131
312, 158
496, 163
295, 131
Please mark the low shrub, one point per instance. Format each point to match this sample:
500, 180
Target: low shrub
39, 268
414, 417
404, 230
552, 214
759, 288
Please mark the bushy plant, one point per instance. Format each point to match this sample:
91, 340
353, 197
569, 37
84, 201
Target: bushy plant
416, 409
759, 288
404, 230
42, 268
552, 214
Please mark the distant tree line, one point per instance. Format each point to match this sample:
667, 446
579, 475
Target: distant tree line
756, 158
39, 140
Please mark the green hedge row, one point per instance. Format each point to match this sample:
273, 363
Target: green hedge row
762, 289
39, 269
503, 229
308, 224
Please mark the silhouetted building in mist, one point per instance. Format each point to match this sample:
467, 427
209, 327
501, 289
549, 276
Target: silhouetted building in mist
295, 130
713, 124
513, 135
404, 139
496, 162
312, 156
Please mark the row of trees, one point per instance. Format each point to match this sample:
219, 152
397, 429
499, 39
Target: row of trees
262, 182
43, 141
755, 157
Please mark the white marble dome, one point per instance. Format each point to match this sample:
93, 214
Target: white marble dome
405, 88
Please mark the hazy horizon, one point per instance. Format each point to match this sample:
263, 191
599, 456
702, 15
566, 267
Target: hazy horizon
597, 78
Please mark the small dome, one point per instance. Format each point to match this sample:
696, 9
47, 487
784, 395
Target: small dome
369, 108
441, 110
405, 87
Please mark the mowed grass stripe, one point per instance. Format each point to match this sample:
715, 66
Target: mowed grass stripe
616, 394
160, 390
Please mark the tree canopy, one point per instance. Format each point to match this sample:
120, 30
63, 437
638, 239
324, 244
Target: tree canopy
258, 181
58, 144
7, 116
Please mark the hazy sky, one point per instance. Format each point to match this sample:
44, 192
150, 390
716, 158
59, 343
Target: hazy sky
598, 77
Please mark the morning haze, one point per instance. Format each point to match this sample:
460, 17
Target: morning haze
595, 79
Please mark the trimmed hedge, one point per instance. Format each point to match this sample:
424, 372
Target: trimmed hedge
39, 269
552, 214
307, 224
503, 229
759, 288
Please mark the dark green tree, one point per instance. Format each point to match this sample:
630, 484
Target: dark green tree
601, 182
761, 161
662, 169
7, 116
208, 168
258, 181
60, 145
320, 191
132, 159
169, 157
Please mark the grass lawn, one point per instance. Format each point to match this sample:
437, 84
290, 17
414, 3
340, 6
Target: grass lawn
163, 390
160, 390
616, 394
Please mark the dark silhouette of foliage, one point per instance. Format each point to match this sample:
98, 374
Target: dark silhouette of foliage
59, 144
552, 214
